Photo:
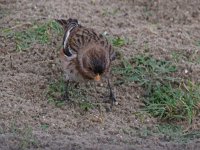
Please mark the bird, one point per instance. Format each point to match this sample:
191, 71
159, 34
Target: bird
85, 55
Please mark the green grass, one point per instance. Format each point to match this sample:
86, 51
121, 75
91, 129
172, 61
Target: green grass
197, 43
108, 12
175, 133
168, 102
84, 105
194, 57
55, 92
167, 132
38, 33
27, 138
166, 97
25, 135
144, 70
77, 95
44, 126
177, 56
118, 42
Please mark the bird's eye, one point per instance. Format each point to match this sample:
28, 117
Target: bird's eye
90, 68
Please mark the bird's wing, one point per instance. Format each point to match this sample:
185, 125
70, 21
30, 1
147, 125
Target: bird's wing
82, 37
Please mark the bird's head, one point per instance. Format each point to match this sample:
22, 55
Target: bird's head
94, 62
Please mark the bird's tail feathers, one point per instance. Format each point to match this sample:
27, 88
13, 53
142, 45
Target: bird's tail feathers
67, 24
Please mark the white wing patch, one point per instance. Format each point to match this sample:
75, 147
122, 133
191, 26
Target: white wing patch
67, 36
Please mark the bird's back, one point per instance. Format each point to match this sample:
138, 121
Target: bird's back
78, 38
83, 37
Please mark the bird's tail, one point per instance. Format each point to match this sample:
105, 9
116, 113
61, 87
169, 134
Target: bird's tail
67, 24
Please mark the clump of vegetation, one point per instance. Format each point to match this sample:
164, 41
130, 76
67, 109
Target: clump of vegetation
85, 105
25, 135
41, 34
168, 102
166, 97
144, 70
56, 91
107, 12
44, 126
167, 132
175, 133
191, 57
197, 43
118, 42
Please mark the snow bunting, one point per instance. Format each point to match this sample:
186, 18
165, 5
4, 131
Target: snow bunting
86, 55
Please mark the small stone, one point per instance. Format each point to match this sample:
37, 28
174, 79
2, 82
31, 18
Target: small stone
186, 71
116, 103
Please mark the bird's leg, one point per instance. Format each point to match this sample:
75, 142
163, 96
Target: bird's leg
112, 96
95, 88
93, 85
66, 91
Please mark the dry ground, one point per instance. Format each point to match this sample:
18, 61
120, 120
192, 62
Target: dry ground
28, 121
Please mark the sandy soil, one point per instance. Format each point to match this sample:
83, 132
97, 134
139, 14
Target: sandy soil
165, 26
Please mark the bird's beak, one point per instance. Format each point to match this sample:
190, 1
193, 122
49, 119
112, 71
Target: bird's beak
97, 78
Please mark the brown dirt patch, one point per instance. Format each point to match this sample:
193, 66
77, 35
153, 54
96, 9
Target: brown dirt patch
28, 121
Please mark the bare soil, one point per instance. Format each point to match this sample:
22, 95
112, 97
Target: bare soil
28, 121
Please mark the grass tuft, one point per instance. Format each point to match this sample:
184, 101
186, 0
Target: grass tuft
44, 126
118, 42
166, 97
25, 135
55, 92
84, 105
77, 95
108, 12
38, 33
145, 70
190, 57
168, 102
197, 43
176, 133
168, 133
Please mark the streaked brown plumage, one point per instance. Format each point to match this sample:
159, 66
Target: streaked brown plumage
86, 55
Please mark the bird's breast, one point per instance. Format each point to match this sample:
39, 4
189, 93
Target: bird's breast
69, 66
